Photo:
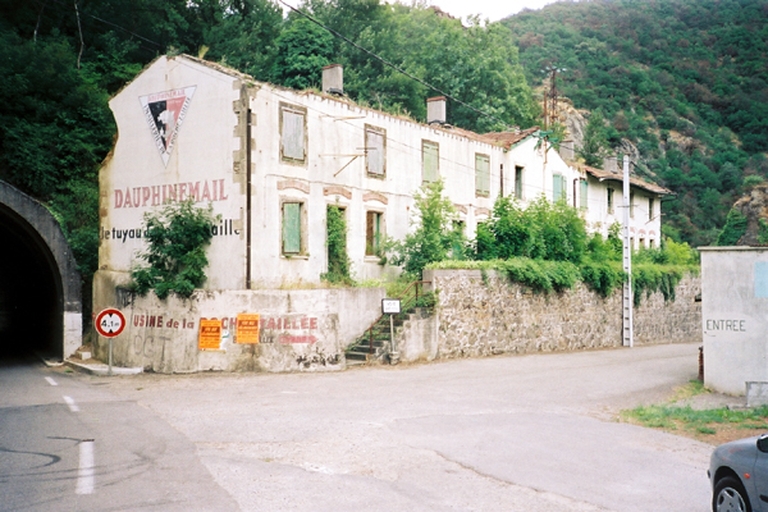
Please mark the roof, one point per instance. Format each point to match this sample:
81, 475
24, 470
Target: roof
502, 139
602, 175
508, 139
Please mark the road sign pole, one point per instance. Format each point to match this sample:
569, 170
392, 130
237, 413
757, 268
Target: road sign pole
109, 324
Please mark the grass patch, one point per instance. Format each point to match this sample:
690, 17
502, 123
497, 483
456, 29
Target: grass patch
704, 421
698, 422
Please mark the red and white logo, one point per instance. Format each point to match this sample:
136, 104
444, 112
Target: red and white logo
165, 112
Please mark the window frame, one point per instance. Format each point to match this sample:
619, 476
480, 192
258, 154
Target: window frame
374, 233
610, 200
583, 194
301, 226
519, 182
559, 178
650, 208
425, 144
375, 130
287, 108
482, 176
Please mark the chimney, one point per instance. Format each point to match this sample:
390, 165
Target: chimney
333, 79
436, 110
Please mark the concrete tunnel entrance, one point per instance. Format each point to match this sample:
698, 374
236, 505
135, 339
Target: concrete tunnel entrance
40, 287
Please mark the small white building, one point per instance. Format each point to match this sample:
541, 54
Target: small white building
601, 200
734, 301
271, 161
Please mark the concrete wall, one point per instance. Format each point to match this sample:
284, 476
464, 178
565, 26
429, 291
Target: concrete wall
32, 218
480, 316
300, 330
734, 321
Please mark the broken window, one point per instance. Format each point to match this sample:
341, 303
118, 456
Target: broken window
375, 151
293, 131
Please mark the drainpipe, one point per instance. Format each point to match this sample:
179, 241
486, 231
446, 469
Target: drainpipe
248, 200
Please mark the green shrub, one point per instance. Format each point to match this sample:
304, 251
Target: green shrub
177, 237
602, 277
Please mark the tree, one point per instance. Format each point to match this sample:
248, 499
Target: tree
303, 49
245, 35
595, 143
434, 237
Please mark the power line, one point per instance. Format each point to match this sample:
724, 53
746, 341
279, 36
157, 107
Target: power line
392, 65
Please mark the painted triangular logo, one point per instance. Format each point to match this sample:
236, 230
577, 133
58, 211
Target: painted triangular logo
165, 111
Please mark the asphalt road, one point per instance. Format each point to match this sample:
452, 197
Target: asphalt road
66, 445
535, 432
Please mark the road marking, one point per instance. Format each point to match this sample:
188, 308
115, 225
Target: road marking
85, 468
51, 381
71, 403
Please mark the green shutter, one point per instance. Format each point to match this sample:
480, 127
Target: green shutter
291, 228
558, 187
430, 157
583, 195
482, 174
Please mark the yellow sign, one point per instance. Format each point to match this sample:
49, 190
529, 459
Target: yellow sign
247, 328
209, 335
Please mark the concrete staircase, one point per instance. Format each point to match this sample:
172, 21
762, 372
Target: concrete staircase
374, 344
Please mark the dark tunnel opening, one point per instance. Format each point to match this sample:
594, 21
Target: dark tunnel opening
31, 301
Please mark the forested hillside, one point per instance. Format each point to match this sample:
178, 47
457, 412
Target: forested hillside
685, 80
61, 60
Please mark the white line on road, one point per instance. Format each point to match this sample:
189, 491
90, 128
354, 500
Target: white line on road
85, 468
71, 403
51, 381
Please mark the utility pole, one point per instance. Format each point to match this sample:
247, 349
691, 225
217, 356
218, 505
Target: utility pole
550, 96
627, 297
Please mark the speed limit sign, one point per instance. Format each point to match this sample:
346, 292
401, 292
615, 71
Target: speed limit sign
110, 322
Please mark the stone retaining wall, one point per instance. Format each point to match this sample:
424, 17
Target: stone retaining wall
482, 314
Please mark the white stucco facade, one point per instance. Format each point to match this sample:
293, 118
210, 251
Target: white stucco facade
189, 128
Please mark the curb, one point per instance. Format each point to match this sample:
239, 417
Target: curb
101, 368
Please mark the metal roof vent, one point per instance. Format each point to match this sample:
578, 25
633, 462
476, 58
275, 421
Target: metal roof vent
436, 110
333, 79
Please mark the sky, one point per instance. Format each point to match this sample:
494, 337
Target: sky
493, 10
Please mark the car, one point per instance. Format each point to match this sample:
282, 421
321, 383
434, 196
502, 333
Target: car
738, 472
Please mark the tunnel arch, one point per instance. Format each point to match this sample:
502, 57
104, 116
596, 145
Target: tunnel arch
40, 287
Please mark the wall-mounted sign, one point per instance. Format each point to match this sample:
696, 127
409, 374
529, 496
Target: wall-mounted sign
110, 322
209, 335
390, 306
247, 328
165, 112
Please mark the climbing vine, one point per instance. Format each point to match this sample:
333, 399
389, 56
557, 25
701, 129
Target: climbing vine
338, 259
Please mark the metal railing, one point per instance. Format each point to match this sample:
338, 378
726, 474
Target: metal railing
408, 300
